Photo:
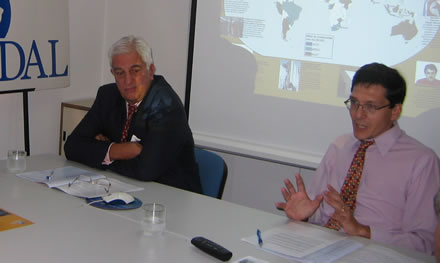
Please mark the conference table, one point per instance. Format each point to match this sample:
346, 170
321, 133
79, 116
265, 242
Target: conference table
66, 229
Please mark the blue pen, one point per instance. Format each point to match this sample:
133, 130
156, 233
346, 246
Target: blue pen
260, 240
49, 177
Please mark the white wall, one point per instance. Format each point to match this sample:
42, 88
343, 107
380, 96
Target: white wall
255, 183
86, 48
94, 25
11, 124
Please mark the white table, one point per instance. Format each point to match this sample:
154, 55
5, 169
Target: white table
67, 230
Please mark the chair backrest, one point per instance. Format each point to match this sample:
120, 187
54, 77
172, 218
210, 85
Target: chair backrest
213, 172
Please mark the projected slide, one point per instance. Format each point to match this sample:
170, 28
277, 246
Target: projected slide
269, 77
308, 50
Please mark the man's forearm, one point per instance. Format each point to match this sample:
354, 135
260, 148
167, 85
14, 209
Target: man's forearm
124, 151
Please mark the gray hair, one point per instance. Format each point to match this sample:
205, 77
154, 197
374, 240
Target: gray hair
131, 43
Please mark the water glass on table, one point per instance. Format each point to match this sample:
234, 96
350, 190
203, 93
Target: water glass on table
16, 162
154, 219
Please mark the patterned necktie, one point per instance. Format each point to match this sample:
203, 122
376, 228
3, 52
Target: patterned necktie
351, 184
131, 110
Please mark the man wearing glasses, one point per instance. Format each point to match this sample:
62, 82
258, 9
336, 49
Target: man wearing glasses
137, 126
378, 182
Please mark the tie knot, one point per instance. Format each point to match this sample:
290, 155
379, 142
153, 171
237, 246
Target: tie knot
131, 109
365, 144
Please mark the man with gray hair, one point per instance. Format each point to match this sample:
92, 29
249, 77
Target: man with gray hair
137, 126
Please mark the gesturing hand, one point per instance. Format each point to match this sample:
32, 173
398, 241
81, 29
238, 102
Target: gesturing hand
298, 205
344, 215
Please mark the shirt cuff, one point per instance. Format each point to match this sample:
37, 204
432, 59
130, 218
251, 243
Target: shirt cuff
107, 160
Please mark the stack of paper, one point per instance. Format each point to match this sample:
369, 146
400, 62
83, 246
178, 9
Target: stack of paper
305, 243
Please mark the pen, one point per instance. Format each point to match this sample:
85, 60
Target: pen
49, 177
260, 240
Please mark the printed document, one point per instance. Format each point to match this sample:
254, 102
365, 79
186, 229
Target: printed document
79, 182
305, 243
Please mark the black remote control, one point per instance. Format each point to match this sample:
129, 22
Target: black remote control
212, 248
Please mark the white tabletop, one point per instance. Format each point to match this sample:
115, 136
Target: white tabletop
67, 230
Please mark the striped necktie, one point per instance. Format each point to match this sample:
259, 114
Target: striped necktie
131, 110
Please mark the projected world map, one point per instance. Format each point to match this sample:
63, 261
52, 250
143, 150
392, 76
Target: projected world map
341, 32
340, 12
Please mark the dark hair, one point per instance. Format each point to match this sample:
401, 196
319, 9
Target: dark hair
431, 67
389, 78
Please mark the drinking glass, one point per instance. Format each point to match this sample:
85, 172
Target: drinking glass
153, 222
16, 162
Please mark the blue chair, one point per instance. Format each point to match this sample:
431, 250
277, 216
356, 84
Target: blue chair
213, 172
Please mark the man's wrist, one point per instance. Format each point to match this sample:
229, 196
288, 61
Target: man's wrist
107, 159
364, 231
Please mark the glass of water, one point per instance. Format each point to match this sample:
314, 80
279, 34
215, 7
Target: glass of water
153, 222
16, 162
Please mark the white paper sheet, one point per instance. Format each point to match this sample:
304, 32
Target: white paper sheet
59, 176
87, 190
79, 182
304, 243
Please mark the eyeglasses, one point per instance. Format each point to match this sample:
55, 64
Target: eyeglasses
369, 108
87, 179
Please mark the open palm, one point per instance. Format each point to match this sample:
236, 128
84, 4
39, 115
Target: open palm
298, 205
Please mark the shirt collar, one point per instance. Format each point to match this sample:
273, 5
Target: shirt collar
126, 107
136, 104
385, 141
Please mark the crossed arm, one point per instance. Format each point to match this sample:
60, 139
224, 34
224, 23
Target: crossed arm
121, 151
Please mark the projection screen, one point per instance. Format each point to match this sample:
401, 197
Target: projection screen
269, 78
